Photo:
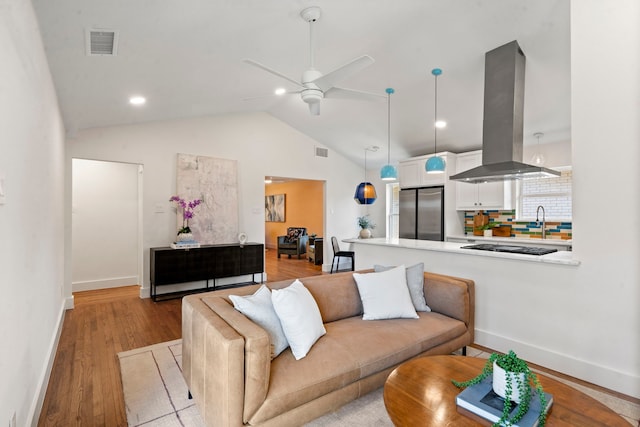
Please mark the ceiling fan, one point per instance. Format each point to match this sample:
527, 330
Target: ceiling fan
314, 86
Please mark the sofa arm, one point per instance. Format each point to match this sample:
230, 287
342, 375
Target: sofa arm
212, 363
451, 296
257, 350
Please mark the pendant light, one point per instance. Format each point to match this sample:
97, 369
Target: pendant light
388, 171
436, 163
538, 158
365, 191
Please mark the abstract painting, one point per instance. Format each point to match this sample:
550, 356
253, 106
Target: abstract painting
274, 208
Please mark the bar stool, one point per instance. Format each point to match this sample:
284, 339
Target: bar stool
337, 254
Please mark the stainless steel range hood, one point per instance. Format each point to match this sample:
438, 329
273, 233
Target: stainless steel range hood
503, 120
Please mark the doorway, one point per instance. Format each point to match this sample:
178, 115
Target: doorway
303, 207
106, 224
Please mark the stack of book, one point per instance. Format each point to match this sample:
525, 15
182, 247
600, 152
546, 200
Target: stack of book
185, 244
482, 404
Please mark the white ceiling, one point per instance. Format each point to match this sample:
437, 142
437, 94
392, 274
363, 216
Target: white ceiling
186, 58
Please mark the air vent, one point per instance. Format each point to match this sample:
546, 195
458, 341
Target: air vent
101, 42
322, 152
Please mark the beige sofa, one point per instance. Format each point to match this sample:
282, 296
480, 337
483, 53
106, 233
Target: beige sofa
228, 369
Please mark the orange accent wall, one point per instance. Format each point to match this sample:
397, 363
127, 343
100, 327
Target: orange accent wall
304, 207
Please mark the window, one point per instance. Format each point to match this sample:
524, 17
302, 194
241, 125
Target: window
553, 193
393, 210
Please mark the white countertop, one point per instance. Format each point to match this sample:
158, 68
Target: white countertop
512, 240
559, 257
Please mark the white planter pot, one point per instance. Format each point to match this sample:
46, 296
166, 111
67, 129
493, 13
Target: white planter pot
182, 237
365, 233
488, 233
500, 382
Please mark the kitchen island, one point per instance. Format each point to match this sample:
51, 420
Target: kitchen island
559, 244
559, 257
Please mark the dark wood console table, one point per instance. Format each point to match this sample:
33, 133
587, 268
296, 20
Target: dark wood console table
209, 262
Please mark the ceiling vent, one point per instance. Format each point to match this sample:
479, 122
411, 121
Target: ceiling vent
322, 152
101, 42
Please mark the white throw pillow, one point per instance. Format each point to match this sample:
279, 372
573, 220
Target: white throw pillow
259, 308
415, 283
300, 317
385, 295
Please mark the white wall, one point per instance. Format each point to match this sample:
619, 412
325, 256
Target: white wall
605, 65
31, 217
262, 145
104, 224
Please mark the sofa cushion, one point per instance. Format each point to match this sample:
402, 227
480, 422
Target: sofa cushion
299, 316
259, 308
336, 295
385, 295
351, 350
415, 283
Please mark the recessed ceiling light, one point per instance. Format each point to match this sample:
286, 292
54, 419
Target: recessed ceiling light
137, 100
441, 124
280, 91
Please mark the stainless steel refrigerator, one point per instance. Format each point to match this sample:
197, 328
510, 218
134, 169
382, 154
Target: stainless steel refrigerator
422, 213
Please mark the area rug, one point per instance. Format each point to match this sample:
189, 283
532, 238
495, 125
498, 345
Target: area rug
155, 394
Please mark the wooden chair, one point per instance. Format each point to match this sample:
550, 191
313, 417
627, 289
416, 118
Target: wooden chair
337, 254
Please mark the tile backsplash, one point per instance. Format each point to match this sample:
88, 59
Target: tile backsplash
521, 229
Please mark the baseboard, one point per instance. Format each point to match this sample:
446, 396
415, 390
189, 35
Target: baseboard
36, 406
571, 365
115, 282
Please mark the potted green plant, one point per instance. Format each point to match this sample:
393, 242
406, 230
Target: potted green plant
487, 229
513, 381
366, 225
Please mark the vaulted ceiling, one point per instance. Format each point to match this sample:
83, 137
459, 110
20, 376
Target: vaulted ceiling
186, 58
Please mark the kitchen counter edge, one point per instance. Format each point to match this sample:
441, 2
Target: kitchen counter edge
559, 257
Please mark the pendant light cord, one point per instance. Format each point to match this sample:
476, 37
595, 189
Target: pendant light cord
435, 118
388, 127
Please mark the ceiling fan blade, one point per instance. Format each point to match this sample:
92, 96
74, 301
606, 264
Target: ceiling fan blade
330, 79
273, 95
342, 93
272, 71
314, 109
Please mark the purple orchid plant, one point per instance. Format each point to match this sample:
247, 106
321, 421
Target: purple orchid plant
187, 211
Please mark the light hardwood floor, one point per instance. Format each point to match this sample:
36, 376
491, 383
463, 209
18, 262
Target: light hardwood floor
85, 387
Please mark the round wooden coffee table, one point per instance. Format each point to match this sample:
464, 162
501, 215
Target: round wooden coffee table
420, 393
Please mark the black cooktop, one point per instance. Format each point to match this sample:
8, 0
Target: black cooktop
510, 249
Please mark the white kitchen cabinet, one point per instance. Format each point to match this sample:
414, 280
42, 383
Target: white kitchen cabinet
413, 173
499, 195
409, 173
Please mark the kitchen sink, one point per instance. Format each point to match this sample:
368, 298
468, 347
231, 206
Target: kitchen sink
510, 249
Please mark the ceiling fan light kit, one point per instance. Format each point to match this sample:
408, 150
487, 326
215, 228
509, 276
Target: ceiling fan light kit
315, 86
435, 164
388, 171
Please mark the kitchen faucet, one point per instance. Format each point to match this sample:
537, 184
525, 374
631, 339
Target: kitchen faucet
544, 231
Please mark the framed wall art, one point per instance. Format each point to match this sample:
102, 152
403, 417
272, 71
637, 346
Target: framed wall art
274, 208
